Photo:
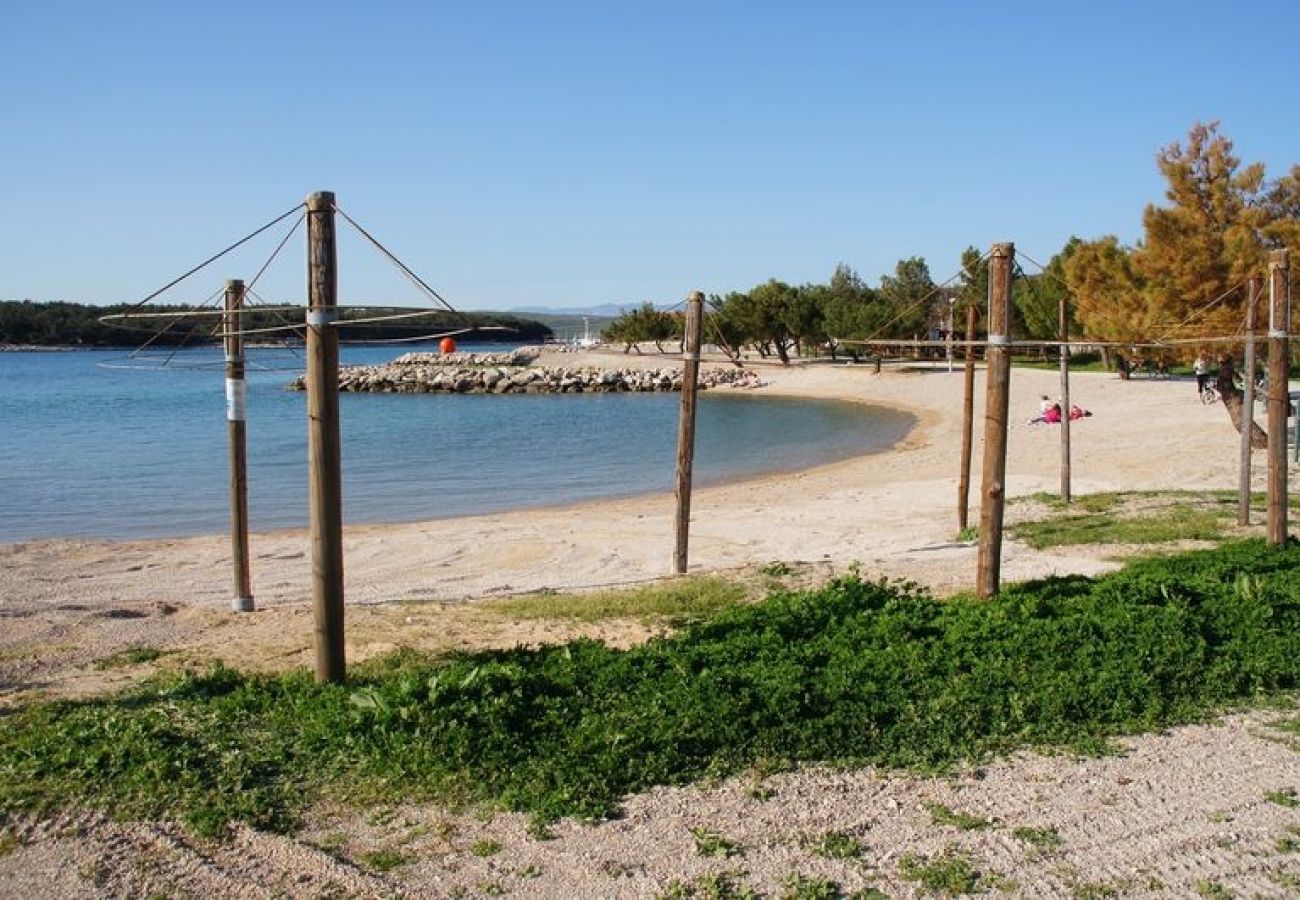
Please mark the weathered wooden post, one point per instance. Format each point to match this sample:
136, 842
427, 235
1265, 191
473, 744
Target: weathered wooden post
952, 301
998, 368
686, 429
967, 417
236, 427
1065, 402
1279, 323
1247, 403
325, 481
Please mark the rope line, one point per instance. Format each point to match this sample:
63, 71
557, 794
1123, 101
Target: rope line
936, 289
416, 279
1160, 340
274, 253
211, 259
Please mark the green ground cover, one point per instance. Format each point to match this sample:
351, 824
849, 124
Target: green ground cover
1136, 517
852, 673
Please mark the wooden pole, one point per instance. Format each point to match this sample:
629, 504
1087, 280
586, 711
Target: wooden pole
951, 302
325, 481
993, 491
686, 428
1065, 402
967, 417
1279, 323
236, 428
1247, 402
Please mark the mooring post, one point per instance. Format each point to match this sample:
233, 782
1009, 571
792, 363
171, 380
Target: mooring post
1063, 314
236, 427
686, 428
1247, 402
325, 480
993, 493
1279, 400
967, 421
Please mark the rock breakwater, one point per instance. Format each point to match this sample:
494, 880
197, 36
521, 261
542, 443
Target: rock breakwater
420, 377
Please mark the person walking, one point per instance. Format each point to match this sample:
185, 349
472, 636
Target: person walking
1202, 369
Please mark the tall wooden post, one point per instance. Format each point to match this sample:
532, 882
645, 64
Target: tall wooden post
1247, 402
951, 302
236, 427
1065, 401
994, 489
325, 480
686, 428
1279, 324
967, 415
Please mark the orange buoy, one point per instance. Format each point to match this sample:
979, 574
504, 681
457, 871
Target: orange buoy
447, 345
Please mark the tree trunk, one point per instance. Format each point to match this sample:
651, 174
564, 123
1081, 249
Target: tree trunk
1232, 402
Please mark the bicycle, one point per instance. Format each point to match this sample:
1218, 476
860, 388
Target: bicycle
1209, 395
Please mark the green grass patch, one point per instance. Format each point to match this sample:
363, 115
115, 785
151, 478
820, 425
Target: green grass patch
685, 599
806, 887
1179, 522
131, 657
1285, 797
1136, 517
853, 673
838, 845
942, 815
710, 843
1042, 838
384, 860
952, 872
1089, 503
485, 847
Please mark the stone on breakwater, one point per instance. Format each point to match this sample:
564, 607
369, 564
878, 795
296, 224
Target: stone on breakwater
408, 376
524, 356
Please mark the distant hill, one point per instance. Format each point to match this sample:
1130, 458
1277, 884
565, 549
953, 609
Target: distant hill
607, 310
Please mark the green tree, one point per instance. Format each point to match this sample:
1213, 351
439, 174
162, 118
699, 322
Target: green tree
904, 298
1037, 298
847, 309
767, 313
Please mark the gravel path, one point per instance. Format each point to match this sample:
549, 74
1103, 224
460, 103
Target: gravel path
1199, 810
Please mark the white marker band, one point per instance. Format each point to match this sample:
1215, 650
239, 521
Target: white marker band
998, 340
1276, 333
691, 357
236, 399
318, 318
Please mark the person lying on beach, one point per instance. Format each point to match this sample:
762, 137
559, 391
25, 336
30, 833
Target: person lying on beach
1050, 413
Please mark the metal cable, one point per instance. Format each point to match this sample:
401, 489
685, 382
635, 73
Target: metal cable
175, 281
415, 279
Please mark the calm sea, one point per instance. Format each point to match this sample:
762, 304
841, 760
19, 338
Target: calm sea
87, 449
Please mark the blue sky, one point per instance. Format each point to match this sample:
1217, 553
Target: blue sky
574, 153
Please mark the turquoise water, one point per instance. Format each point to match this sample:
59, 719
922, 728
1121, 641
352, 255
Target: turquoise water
92, 451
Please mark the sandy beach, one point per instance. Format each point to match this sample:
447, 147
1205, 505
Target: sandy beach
69, 603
